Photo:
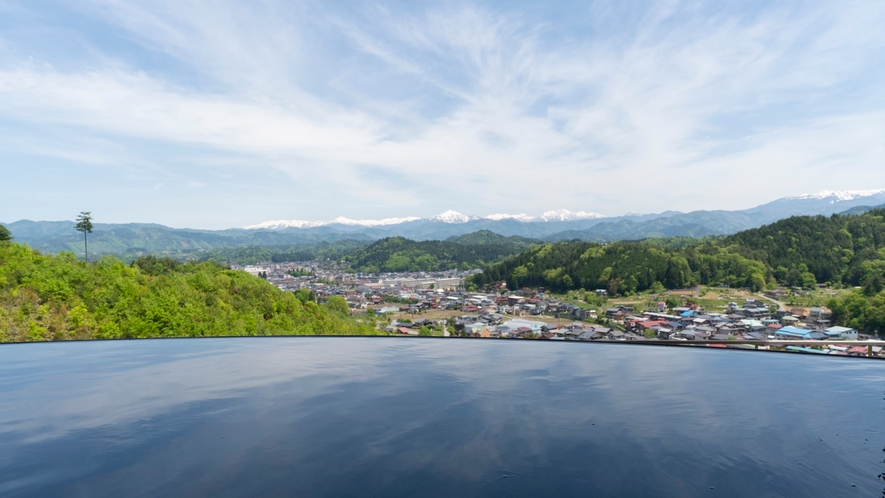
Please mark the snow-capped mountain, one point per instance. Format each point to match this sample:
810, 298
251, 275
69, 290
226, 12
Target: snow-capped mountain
566, 215
502, 216
549, 226
588, 225
835, 196
561, 215
825, 202
450, 216
341, 220
279, 224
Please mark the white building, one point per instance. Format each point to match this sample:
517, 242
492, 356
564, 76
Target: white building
841, 333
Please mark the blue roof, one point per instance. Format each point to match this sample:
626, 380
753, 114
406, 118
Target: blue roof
794, 331
790, 328
687, 313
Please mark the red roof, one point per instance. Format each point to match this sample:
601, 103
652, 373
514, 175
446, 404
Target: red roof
857, 349
648, 325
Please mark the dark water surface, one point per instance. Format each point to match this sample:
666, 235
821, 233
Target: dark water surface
406, 417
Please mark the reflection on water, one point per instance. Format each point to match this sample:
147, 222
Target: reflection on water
882, 475
405, 417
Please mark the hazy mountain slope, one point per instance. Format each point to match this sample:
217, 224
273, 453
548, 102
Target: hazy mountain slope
862, 209
129, 239
138, 238
695, 224
825, 203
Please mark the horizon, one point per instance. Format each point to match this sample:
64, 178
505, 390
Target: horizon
215, 115
454, 217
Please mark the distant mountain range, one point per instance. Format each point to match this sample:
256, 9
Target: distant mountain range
447, 217
134, 239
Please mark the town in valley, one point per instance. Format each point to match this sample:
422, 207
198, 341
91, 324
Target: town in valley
440, 304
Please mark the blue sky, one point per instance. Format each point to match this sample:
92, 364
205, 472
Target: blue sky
214, 114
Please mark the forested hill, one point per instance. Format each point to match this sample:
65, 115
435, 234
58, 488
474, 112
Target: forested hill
58, 297
487, 237
250, 255
620, 267
804, 250
841, 250
136, 239
401, 254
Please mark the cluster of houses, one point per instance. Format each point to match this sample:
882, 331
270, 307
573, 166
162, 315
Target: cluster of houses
327, 278
751, 321
414, 327
746, 323
532, 304
508, 314
494, 325
410, 291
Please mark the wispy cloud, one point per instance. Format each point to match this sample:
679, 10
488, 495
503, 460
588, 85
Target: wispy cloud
469, 106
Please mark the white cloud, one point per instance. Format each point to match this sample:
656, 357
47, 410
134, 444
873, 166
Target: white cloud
489, 111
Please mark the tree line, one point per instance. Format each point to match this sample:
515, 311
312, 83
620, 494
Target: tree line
395, 254
802, 251
58, 297
250, 255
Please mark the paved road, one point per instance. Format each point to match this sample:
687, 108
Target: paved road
782, 304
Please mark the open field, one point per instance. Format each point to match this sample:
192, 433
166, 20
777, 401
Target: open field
818, 297
710, 298
445, 314
713, 299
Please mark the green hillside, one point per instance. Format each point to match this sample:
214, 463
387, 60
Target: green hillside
401, 254
840, 250
848, 250
488, 237
621, 267
258, 254
59, 297
136, 239
844, 250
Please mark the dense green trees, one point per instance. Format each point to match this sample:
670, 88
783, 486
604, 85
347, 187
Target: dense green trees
249, 255
5, 235
487, 237
837, 249
800, 251
58, 297
401, 254
338, 305
620, 268
846, 250
860, 311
